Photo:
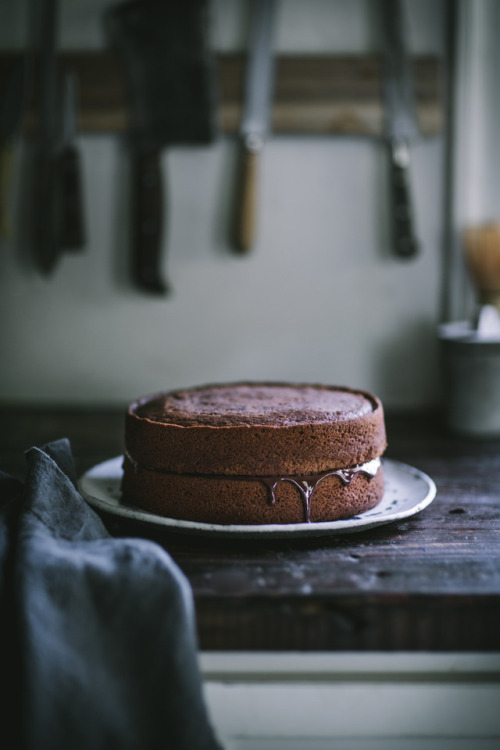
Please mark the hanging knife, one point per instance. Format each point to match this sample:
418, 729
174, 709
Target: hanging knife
46, 204
401, 124
259, 82
72, 233
12, 110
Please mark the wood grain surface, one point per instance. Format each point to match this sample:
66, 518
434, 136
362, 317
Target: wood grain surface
314, 94
429, 583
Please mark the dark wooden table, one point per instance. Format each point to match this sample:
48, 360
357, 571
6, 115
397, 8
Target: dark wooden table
429, 583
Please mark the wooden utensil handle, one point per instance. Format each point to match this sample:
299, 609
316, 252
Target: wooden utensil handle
403, 237
246, 208
147, 217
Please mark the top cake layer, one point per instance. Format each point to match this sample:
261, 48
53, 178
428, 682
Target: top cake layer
255, 429
278, 405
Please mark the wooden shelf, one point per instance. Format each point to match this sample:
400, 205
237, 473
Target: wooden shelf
314, 94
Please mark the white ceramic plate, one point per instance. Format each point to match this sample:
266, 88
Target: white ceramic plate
407, 492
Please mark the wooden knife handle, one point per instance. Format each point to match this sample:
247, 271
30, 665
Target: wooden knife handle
246, 207
72, 219
147, 217
403, 237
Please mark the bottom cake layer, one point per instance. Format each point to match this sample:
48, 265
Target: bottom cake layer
247, 500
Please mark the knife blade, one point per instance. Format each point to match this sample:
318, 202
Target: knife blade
400, 124
256, 116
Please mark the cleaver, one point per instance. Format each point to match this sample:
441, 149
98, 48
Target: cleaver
170, 74
400, 123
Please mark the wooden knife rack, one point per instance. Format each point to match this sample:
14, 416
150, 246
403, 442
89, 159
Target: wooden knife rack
314, 94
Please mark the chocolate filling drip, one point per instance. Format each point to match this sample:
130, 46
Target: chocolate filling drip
306, 484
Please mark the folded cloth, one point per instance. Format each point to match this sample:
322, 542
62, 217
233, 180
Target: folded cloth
97, 634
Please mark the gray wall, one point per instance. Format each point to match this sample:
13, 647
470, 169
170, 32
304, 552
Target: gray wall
319, 299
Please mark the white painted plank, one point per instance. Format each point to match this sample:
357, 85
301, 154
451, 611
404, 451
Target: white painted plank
358, 701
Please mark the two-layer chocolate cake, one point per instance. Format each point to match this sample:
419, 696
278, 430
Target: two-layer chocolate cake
255, 453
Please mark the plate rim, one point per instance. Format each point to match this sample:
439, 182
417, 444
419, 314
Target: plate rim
358, 523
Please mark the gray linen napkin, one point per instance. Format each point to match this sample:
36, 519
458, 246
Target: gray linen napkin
97, 634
